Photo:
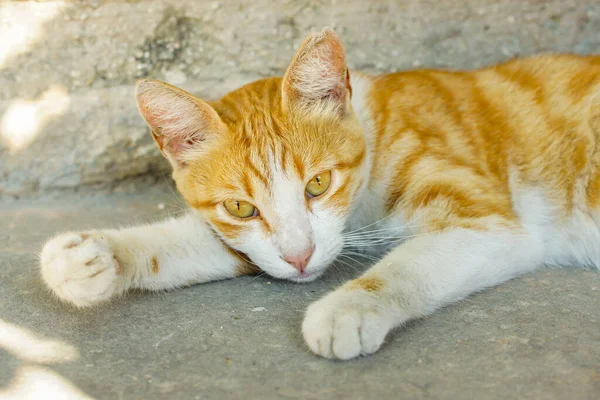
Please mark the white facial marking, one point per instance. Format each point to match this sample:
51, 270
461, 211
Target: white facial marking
296, 231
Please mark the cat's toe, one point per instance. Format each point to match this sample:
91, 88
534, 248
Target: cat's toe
80, 268
317, 329
344, 326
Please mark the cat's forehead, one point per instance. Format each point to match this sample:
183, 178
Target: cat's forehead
263, 142
259, 129
248, 161
255, 103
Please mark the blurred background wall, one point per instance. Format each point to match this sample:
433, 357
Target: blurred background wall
68, 118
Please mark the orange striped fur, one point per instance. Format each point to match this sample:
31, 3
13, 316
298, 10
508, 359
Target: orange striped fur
455, 137
452, 139
445, 145
457, 181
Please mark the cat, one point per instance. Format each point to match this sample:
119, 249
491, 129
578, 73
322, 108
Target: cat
467, 179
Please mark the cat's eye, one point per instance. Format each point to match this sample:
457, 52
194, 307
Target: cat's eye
240, 209
318, 184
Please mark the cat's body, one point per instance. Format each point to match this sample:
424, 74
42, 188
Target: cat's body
516, 144
462, 179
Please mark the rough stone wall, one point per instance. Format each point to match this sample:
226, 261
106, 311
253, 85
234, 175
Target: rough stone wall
67, 68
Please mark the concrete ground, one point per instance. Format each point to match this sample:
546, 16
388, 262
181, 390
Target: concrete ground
536, 337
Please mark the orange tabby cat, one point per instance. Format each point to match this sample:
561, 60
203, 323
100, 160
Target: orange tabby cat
461, 179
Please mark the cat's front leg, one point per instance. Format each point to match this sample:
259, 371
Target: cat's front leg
413, 280
87, 268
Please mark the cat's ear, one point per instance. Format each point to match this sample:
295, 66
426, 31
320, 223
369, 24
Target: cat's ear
318, 77
178, 120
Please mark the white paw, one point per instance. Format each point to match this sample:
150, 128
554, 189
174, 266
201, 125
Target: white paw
345, 324
80, 268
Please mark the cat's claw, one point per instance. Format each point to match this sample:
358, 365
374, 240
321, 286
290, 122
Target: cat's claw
80, 268
343, 325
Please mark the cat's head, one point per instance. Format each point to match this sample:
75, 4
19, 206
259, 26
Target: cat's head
273, 166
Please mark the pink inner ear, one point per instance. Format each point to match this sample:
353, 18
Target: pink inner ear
338, 93
319, 73
178, 120
175, 142
177, 145
335, 69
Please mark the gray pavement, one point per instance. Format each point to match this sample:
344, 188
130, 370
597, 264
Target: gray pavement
536, 337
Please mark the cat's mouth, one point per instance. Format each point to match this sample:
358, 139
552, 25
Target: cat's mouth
306, 277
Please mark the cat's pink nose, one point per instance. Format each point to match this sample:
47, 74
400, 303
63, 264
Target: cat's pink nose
301, 261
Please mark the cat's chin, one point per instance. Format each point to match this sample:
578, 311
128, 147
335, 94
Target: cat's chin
306, 277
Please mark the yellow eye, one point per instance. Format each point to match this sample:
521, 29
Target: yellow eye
240, 209
318, 184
